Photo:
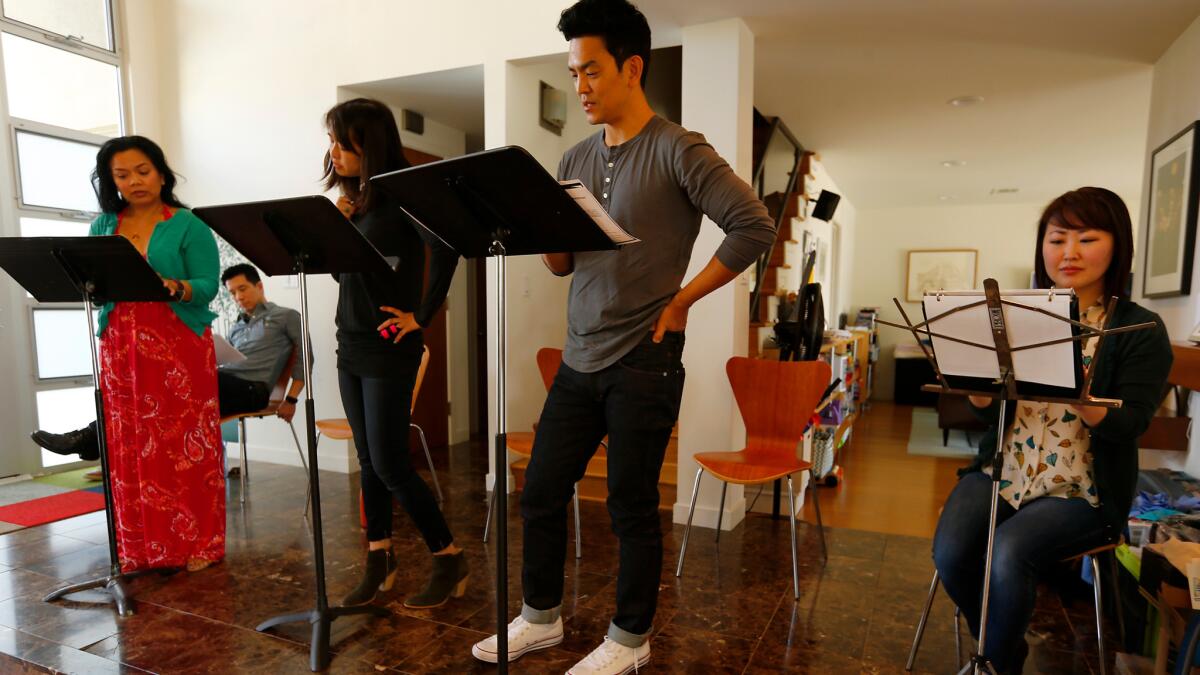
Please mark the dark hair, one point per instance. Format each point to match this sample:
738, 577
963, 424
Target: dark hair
618, 22
241, 269
1096, 209
367, 127
105, 187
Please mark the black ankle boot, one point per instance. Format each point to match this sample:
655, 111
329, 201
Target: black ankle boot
82, 442
449, 580
378, 576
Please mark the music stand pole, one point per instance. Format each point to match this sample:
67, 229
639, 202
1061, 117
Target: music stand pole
501, 457
114, 582
322, 616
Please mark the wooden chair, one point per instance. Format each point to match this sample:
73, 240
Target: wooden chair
1094, 555
274, 401
521, 442
776, 400
338, 428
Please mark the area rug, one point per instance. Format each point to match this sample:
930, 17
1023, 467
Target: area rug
925, 438
48, 498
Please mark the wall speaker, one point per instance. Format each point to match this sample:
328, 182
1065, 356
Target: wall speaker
827, 203
414, 122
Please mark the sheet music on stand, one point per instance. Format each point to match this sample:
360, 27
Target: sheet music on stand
1032, 317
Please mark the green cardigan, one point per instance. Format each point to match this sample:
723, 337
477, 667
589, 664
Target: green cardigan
1132, 367
181, 247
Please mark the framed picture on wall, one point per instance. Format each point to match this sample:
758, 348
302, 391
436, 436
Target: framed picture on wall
940, 270
1171, 220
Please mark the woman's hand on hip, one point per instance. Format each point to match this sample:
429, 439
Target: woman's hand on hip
405, 323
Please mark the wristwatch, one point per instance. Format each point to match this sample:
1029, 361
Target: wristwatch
291, 399
178, 293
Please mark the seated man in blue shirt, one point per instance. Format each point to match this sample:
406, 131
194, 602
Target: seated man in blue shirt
264, 332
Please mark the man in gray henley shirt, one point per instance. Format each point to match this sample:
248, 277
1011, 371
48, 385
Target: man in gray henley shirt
622, 373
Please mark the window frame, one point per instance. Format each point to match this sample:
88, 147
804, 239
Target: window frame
69, 42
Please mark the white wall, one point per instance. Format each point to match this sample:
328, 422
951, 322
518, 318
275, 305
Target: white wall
717, 56
1174, 104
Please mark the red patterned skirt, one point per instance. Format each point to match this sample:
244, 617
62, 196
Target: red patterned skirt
159, 383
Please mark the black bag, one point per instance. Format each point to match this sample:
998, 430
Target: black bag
800, 335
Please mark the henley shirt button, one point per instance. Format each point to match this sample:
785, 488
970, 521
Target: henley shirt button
606, 195
610, 165
607, 179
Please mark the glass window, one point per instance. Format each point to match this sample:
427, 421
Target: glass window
55, 172
85, 20
63, 410
46, 227
58, 87
61, 342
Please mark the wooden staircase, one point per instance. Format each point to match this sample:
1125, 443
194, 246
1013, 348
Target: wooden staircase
594, 486
790, 205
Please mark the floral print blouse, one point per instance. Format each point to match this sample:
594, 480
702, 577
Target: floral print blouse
1047, 449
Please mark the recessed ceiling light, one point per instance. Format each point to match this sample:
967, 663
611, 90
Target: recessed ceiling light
945, 198
951, 163
1004, 191
964, 101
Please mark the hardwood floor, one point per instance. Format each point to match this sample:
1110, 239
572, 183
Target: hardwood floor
885, 489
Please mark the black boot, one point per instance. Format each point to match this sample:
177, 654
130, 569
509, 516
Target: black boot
378, 576
81, 442
449, 580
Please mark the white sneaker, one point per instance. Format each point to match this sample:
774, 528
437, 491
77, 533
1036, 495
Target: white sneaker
523, 637
612, 658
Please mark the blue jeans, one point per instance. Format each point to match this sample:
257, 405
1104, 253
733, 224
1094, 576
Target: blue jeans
635, 402
1028, 541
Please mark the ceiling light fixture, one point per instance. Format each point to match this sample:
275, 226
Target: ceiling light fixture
1004, 191
964, 101
953, 163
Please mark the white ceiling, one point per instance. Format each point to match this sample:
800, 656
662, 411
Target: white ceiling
864, 83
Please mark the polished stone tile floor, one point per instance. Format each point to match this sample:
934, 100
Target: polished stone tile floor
731, 612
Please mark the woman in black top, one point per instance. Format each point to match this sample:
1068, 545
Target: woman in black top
379, 321
1069, 471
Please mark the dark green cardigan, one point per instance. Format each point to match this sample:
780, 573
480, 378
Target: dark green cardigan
1132, 367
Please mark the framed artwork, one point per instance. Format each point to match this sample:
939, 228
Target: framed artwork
1171, 221
940, 270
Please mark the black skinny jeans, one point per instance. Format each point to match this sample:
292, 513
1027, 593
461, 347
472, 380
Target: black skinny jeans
379, 412
636, 402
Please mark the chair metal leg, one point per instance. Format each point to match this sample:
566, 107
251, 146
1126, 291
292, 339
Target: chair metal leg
429, 458
242, 442
487, 524
688, 528
792, 530
578, 530
721, 511
958, 637
817, 507
1115, 588
303, 463
912, 653
1096, 583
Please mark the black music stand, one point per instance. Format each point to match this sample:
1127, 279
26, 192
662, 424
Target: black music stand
97, 270
496, 203
303, 236
1008, 387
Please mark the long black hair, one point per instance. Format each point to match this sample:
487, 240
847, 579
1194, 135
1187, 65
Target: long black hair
105, 187
368, 128
1092, 208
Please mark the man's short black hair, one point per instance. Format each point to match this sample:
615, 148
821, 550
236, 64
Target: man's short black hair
243, 269
618, 22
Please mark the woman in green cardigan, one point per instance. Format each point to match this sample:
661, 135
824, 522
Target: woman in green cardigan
158, 371
1069, 471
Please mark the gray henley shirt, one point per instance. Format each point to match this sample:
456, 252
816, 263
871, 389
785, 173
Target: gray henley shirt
657, 185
